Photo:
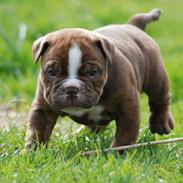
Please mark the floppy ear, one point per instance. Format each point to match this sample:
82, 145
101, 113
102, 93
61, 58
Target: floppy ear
39, 47
106, 46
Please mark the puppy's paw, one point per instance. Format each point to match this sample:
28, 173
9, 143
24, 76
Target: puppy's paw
161, 123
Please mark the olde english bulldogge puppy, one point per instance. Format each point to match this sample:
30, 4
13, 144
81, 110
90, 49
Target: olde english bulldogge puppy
95, 77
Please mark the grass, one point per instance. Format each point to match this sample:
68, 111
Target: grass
61, 161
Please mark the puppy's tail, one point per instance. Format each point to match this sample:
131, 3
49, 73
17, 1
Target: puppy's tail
140, 20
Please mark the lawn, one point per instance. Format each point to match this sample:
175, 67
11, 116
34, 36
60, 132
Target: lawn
23, 21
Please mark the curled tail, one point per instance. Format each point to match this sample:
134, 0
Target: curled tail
140, 20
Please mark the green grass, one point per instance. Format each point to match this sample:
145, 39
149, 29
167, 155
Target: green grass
61, 162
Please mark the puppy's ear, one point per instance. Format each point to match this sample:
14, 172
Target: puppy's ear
106, 46
39, 47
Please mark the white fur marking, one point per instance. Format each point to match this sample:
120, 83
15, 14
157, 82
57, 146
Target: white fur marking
72, 82
75, 112
94, 113
74, 61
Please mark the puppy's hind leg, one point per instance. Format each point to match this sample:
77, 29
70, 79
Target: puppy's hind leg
161, 120
140, 20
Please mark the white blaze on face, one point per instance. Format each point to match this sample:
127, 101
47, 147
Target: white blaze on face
75, 56
74, 63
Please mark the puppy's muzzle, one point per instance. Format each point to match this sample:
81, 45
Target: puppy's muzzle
72, 90
71, 93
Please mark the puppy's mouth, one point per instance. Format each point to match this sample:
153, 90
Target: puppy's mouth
72, 101
72, 94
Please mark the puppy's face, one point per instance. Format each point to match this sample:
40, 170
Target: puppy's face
74, 68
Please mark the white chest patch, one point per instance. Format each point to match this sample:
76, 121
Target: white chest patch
74, 61
94, 113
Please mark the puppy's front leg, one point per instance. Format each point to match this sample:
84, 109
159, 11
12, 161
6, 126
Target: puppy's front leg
127, 121
40, 126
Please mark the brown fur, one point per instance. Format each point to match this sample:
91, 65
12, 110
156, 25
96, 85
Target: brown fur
130, 63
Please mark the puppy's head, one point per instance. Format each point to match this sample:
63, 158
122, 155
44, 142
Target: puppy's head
74, 66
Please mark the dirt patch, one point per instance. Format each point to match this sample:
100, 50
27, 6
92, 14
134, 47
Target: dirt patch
13, 114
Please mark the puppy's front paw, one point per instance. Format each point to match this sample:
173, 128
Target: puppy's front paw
161, 123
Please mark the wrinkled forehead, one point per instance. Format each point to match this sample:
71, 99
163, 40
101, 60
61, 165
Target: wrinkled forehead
72, 45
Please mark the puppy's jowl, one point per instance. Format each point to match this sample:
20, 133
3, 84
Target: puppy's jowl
96, 77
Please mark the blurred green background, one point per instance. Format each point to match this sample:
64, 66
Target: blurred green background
23, 21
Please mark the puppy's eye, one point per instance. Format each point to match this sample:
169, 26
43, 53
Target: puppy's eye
52, 73
93, 73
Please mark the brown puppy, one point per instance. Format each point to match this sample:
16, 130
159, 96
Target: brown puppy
96, 76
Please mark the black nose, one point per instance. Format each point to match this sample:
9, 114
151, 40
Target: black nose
71, 91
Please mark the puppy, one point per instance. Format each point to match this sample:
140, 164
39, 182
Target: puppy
95, 77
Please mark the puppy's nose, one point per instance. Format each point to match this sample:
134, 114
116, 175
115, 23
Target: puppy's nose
71, 91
